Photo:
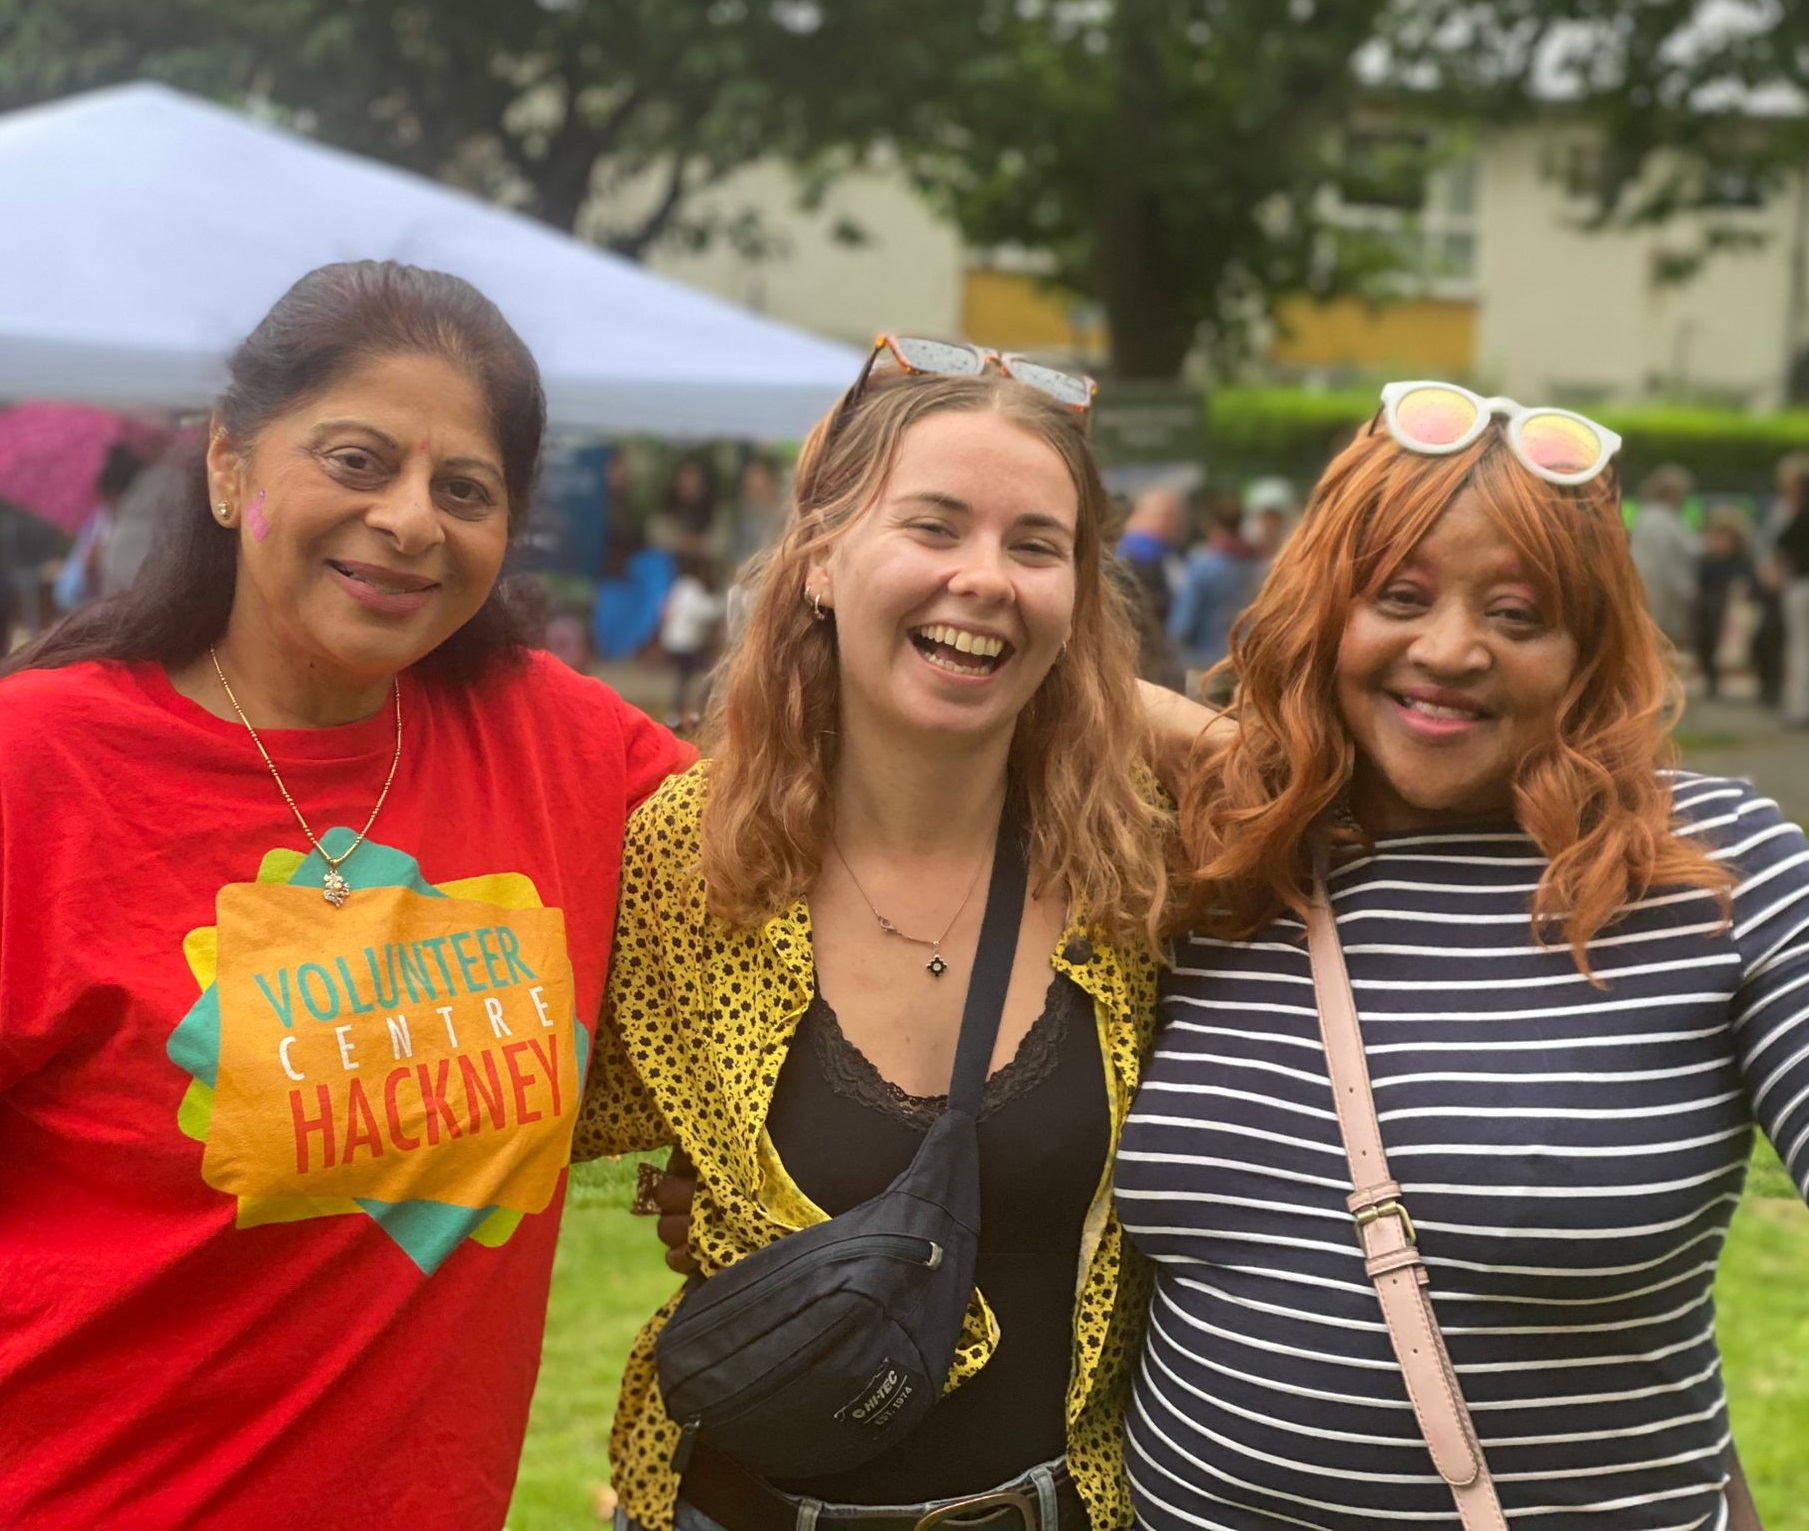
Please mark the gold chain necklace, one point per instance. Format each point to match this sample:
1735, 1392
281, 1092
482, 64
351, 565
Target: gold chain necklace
936, 967
335, 889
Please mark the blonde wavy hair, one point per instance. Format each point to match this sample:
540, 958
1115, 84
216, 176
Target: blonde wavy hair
1591, 798
771, 733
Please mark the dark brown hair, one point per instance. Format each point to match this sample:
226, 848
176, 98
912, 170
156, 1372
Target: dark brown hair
329, 323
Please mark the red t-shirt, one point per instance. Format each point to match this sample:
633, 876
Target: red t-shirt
279, 1181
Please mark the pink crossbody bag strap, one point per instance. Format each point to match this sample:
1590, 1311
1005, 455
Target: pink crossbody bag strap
1386, 1235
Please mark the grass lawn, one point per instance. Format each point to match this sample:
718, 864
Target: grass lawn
1762, 1299
609, 1277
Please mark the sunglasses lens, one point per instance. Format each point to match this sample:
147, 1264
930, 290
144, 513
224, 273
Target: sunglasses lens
1064, 387
1559, 444
1435, 417
938, 356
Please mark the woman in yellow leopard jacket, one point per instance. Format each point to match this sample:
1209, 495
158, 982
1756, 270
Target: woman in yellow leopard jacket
799, 917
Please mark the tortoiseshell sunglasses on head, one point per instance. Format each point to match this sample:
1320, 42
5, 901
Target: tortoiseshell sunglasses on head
947, 358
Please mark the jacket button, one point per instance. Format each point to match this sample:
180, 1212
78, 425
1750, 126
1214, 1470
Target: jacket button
1078, 951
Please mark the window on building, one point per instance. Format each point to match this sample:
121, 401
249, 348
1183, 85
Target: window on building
1579, 167
1733, 186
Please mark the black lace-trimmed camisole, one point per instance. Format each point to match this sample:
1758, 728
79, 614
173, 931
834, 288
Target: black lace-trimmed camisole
844, 1133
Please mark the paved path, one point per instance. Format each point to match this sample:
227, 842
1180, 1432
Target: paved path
1737, 738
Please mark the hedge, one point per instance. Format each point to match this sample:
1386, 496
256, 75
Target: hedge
1253, 432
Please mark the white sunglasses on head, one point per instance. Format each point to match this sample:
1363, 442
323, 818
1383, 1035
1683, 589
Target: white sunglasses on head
1437, 419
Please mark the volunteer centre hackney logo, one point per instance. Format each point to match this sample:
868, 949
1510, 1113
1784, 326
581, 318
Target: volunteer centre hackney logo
414, 1057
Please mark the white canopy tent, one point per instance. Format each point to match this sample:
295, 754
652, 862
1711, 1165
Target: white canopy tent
144, 232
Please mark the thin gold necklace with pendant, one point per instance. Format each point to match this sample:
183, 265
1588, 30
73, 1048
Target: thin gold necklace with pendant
936, 967
334, 888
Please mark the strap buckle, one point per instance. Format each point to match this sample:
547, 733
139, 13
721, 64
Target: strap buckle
1366, 1215
961, 1511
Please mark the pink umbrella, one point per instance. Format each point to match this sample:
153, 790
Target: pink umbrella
51, 456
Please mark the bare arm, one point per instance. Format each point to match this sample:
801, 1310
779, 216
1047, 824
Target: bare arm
1175, 724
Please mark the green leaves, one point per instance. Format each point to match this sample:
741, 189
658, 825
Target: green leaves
1140, 146
1184, 163
535, 104
1678, 91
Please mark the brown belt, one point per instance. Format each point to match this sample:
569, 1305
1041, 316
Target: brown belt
738, 1501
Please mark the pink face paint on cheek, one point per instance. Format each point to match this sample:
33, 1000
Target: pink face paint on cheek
256, 522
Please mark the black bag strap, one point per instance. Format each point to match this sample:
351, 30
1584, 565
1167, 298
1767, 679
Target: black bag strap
992, 964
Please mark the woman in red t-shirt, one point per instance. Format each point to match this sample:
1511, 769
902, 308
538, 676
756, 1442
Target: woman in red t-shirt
291, 1038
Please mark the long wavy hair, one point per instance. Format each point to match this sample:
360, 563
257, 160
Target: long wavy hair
1592, 798
332, 321
772, 731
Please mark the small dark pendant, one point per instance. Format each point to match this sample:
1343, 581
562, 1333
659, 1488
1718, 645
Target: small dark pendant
936, 966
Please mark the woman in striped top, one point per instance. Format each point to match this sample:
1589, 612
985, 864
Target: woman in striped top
1583, 980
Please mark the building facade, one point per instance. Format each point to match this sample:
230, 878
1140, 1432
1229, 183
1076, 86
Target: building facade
1508, 286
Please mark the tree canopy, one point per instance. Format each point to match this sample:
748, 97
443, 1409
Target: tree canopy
1180, 162
1700, 105
603, 116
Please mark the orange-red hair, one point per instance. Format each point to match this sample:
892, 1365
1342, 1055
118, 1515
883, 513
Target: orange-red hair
1592, 798
771, 733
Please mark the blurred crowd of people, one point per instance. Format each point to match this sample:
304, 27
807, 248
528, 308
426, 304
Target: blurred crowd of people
711, 536
1728, 587
45, 575
1194, 571
1196, 574
1728, 584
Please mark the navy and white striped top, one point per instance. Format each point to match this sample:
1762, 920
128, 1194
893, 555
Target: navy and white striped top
1572, 1156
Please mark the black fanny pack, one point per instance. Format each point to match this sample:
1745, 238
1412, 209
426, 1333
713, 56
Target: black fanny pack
813, 1355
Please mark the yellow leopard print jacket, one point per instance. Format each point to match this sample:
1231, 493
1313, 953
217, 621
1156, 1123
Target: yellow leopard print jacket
696, 1026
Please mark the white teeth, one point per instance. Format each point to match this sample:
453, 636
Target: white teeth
964, 642
380, 586
1434, 710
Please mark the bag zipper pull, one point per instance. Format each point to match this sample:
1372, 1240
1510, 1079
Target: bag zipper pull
687, 1443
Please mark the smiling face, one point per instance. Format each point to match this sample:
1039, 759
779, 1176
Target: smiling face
372, 521
1449, 675
954, 592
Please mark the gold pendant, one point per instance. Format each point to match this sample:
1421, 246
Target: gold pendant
337, 889
937, 967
